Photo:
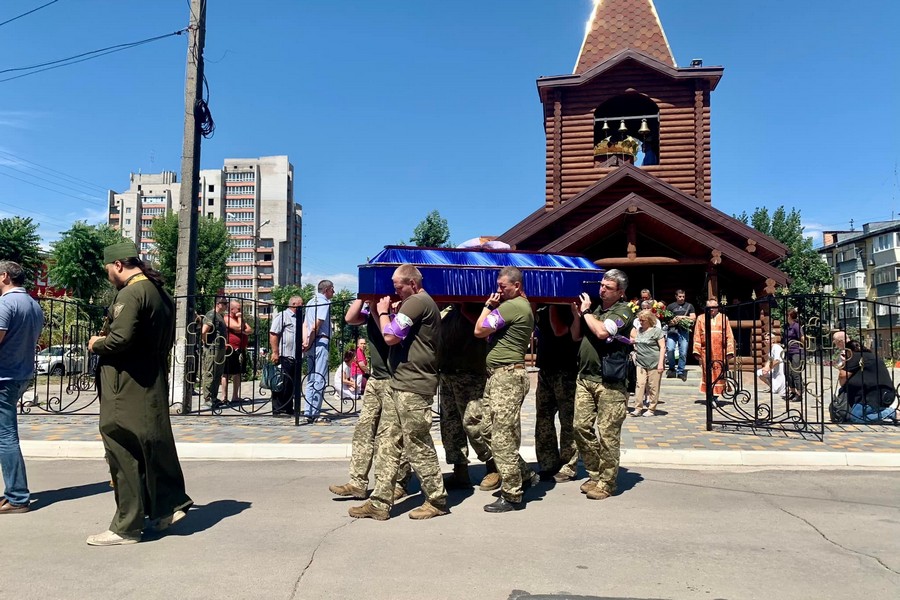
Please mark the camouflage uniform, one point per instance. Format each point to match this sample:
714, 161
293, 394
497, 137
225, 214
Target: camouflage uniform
406, 423
555, 393
557, 361
605, 404
600, 402
462, 417
363, 448
504, 393
406, 412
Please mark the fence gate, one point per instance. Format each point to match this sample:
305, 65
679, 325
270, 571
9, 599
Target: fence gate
796, 335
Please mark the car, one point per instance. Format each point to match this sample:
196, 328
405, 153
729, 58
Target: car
60, 360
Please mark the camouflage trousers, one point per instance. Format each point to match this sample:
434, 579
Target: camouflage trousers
406, 424
603, 405
213, 368
462, 417
503, 396
555, 394
363, 447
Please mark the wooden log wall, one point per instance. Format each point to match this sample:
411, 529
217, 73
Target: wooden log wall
684, 145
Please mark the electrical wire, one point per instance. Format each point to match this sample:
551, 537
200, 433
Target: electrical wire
84, 56
48, 189
28, 13
54, 171
64, 185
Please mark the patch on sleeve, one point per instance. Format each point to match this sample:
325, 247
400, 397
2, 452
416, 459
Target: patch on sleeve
494, 321
399, 326
117, 309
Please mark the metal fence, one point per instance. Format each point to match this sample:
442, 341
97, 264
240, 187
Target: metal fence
64, 381
809, 393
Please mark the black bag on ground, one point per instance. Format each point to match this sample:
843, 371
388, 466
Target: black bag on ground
839, 409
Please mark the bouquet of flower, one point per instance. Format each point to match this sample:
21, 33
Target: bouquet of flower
634, 305
667, 316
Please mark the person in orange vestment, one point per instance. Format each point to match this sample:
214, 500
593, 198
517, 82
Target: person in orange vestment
721, 350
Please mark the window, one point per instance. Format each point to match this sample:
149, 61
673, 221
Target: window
127, 210
241, 256
267, 257
853, 310
242, 270
153, 211
240, 176
212, 188
626, 129
241, 190
241, 230
145, 223
241, 243
153, 199
242, 216
239, 203
852, 281
885, 241
886, 275
211, 202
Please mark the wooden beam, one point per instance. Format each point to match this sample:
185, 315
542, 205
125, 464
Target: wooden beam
642, 261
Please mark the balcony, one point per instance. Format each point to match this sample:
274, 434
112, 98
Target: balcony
857, 293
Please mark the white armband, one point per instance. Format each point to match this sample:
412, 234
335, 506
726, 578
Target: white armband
611, 327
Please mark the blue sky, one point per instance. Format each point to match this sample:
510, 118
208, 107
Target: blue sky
391, 109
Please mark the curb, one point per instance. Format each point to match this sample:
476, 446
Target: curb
630, 456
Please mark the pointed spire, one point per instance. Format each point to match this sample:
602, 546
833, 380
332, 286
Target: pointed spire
616, 25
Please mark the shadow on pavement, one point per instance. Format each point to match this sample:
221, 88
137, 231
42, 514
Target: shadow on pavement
201, 517
627, 479
43, 499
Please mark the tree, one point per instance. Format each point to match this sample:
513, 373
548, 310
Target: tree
803, 265
432, 232
281, 294
20, 242
77, 259
214, 246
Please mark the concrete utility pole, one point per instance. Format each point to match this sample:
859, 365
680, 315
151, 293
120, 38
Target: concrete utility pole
186, 265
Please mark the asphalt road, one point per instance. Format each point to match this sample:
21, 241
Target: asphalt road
271, 530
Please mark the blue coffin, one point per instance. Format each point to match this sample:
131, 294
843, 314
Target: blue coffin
462, 275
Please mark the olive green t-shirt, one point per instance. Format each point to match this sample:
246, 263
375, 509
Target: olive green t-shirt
379, 350
459, 350
413, 362
593, 349
508, 345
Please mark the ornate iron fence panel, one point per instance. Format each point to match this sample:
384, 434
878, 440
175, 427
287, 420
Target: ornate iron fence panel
787, 363
64, 380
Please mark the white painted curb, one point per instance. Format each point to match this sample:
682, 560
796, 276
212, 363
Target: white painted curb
630, 456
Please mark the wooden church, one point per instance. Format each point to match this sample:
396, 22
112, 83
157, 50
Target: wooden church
628, 168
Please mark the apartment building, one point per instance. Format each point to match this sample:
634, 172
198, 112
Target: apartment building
255, 198
866, 266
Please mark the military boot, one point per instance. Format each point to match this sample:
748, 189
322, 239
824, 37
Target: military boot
491, 481
400, 492
348, 490
427, 511
598, 493
369, 511
459, 479
588, 485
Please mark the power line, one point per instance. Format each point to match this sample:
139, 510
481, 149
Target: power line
54, 171
50, 181
43, 217
45, 187
84, 56
28, 13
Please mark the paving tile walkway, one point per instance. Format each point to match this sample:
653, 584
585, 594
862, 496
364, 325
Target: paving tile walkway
679, 425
